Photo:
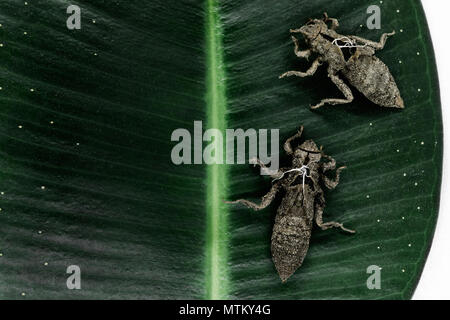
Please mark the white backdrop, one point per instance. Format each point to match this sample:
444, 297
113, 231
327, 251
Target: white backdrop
435, 280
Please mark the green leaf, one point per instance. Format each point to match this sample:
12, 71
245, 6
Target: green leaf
86, 173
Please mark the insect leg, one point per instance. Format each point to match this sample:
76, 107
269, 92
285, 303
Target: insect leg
329, 165
331, 184
376, 45
334, 22
301, 54
309, 72
328, 225
345, 89
287, 144
265, 201
295, 30
257, 162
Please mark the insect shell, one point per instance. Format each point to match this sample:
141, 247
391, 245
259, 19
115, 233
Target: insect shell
303, 202
363, 70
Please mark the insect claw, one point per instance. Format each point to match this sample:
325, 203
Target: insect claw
347, 230
253, 161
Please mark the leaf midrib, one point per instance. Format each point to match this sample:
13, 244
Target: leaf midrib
216, 212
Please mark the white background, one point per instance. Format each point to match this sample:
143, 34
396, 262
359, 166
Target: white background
435, 280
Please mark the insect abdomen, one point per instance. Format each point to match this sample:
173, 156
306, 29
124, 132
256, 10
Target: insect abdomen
373, 79
291, 234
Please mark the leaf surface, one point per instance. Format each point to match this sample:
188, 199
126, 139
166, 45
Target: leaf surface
86, 172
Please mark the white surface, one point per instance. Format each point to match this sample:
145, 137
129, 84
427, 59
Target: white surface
435, 280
